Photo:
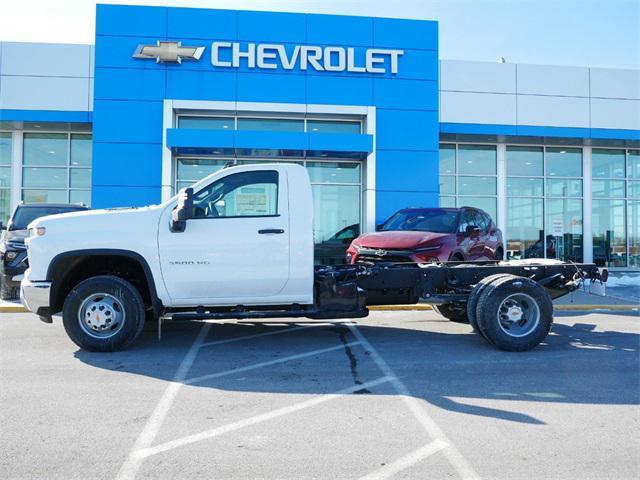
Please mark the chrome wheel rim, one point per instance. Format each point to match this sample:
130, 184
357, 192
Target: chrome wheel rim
101, 315
518, 315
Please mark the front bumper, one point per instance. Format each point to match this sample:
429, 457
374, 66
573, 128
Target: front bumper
35, 297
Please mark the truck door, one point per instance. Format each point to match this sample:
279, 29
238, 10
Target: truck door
237, 244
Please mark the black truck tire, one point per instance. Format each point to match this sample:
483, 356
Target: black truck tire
451, 312
103, 314
514, 313
474, 296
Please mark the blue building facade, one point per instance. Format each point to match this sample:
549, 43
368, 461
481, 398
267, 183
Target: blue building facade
130, 96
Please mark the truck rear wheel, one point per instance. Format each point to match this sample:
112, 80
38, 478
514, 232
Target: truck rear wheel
452, 312
514, 313
474, 296
103, 313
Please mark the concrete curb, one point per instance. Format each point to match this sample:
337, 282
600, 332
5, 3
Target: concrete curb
12, 309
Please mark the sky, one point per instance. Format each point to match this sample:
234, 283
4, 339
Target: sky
598, 33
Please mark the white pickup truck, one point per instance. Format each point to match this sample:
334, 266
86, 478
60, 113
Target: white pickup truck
239, 244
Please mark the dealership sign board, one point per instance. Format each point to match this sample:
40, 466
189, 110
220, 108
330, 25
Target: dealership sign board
267, 56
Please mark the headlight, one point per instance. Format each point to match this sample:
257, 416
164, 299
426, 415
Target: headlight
37, 232
10, 255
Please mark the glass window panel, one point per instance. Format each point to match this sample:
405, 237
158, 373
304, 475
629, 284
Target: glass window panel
193, 169
80, 178
476, 185
45, 149
448, 184
5, 148
634, 233
80, 196
44, 196
333, 172
5, 205
563, 162
181, 185
524, 161
80, 150
448, 202
329, 126
207, 123
271, 124
336, 207
44, 177
608, 188
447, 159
488, 204
524, 187
608, 230
524, 228
607, 163
477, 159
633, 164
633, 189
564, 187
569, 245
5, 177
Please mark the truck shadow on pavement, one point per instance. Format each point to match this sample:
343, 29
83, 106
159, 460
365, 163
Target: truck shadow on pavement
454, 370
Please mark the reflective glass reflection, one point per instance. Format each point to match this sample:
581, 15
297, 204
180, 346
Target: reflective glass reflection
44, 196
525, 228
608, 230
271, 124
447, 157
607, 163
333, 172
564, 187
633, 164
608, 188
194, 169
5, 205
524, 187
477, 159
524, 161
448, 202
45, 149
5, 177
488, 204
448, 184
80, 196
563, 162
332, 126
206, 123
80, 178
44, 177
476, 185
634, 233
80, 150
569, 245
633, 189
5, 148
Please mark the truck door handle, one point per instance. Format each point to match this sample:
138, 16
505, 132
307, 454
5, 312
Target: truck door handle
270, 230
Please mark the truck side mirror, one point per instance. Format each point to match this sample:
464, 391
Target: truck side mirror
183, 210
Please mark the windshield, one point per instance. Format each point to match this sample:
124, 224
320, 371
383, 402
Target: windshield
436, 221
25, 215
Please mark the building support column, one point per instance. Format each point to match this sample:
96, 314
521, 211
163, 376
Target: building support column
501, 152
17, 138
369, 187
587, 207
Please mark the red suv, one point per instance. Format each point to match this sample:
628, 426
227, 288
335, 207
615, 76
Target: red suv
430, 234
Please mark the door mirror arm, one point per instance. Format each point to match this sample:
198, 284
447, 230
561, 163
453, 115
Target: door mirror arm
183, 211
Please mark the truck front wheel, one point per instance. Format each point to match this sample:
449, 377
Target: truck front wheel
103, 313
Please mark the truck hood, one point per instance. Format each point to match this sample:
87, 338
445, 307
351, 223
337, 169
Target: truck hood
400, 239
89, 218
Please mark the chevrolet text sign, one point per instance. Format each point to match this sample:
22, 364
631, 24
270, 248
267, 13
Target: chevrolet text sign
273, 56
328, 59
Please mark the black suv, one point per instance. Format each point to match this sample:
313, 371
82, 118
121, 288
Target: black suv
13, 252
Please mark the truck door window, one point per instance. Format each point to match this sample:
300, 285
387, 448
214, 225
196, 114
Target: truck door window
246, 194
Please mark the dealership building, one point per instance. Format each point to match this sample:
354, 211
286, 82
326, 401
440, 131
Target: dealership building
167, 96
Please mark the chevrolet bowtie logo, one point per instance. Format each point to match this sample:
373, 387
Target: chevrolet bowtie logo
168, 52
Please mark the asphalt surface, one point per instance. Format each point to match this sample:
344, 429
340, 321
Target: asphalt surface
401, 395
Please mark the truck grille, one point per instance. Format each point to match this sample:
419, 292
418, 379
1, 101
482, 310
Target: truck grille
369, 255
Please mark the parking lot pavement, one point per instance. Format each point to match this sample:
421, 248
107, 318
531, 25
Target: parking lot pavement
397, 395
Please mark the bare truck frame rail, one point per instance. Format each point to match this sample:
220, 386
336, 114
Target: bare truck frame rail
508, 303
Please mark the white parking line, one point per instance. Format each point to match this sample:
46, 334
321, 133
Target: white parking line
264, 334
215, 432
209, 376
407, 461
431, 427
148, 434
